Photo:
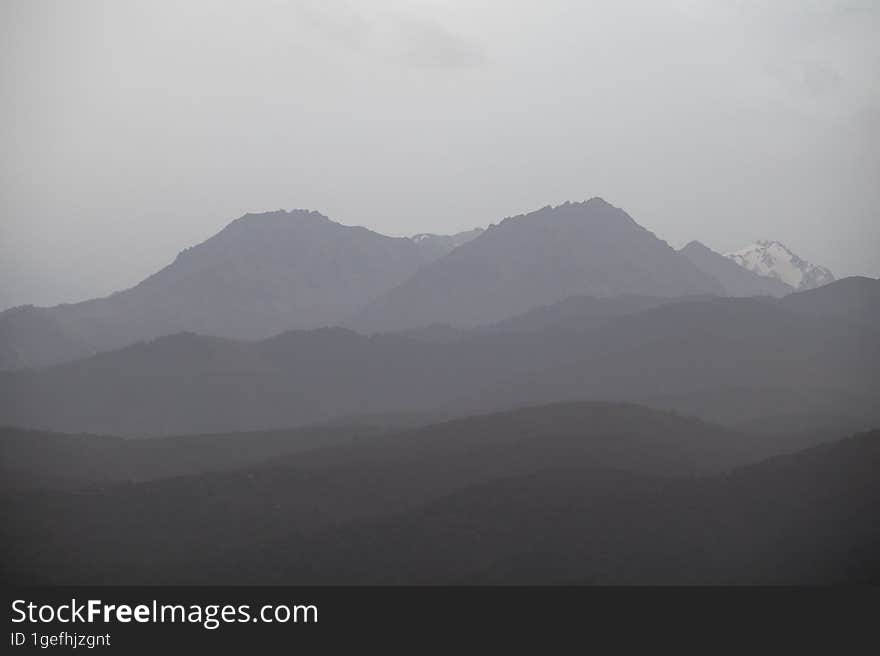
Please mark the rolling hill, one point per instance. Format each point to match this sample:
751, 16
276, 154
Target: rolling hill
570, 493
725, 359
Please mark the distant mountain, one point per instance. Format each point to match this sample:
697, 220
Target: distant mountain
577, 313
261, 275
434, 246
186, 383
725, 359
855, 299
589, 248
38, 337
736, 280
775, 260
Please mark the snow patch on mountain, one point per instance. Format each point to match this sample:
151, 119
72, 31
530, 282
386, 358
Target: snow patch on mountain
433, 247
774, 260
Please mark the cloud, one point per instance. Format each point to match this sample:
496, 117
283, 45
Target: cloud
430, 45
336, 23
819, 79
807, 78
388, 33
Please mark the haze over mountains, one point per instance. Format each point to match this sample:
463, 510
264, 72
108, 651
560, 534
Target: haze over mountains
589, 248
434, 246
567, 493
267, 273
734, 278
757, 357
561, 398
567, 303
261, 275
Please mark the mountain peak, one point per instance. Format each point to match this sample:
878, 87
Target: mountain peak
281, 216
696, 245
593, 211
260, 275
587, 248
594, 203
774, 259
736, 280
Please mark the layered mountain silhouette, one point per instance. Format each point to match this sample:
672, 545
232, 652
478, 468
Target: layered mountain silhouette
855, 299
724, 359
736, 280
559, 399
803, 359
565, 493
33, 460
261, 275
805, 518
589, 248
268, 273
574, 313
41, 460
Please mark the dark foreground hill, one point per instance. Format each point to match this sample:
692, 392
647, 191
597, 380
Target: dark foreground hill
573, 493
807, 518
40, 460
729, 360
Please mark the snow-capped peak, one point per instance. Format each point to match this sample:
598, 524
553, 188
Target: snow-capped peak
773, 259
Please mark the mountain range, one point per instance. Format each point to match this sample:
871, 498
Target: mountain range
259, 276
757, 356
561, 398
589, 248
264, 274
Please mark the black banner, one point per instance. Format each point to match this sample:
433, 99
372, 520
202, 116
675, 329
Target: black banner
179, 620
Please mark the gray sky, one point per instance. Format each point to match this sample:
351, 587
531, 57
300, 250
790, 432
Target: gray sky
131, 130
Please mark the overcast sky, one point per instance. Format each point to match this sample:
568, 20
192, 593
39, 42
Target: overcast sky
131, 130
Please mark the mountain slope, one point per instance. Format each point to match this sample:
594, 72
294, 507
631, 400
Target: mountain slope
575, 313
202, 516
775, 260
261, 275
39, 460
855, 299
35, 337
736, 280
588, 248
718, 359
690, 355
